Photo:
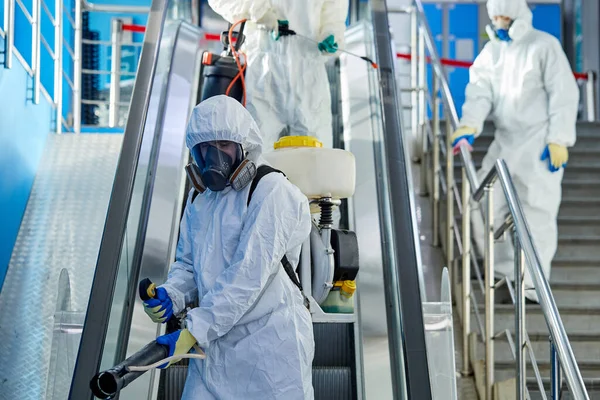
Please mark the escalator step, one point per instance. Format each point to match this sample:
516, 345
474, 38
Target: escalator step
334, 345
332, 383
172, 382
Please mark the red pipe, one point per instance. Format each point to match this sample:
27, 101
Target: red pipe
133, 28
466, 64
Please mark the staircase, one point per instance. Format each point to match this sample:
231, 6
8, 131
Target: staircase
575, 277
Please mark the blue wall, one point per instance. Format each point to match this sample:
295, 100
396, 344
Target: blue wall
24, 128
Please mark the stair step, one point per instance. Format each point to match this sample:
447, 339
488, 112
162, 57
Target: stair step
505, 364
582, 188
581, 323
565, 298
575, 246
579, 207
572, 187
575, 277
592, 385
581, 170
566, 262
579, 225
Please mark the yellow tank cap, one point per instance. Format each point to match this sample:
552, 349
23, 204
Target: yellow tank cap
349, 287
297, 141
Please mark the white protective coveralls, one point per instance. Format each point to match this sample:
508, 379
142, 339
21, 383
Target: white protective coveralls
251, 320
528, 86
286, 80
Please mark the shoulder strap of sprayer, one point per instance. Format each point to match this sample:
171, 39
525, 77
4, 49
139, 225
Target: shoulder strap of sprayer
261, 171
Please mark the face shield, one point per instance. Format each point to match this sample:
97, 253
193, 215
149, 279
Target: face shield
216, 161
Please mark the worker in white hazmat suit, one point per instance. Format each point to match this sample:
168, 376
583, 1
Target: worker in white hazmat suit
251, 320
286, 80
523, 78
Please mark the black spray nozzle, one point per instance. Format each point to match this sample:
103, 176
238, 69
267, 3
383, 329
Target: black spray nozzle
106, 384
237, 35
146, 289
284, 28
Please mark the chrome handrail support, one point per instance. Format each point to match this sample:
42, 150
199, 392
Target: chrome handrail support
435, 178
36, 42
58, 64
489, 290
77, 66
466, 271
590, 96
422, 110
116, 35
414, 112
9, 32
520, 344
526, 256
449, 202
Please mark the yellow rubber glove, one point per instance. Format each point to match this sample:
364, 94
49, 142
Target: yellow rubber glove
179, 342
160, 307
557, 156
463, 132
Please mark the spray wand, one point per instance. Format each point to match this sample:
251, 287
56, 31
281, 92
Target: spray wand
284, 30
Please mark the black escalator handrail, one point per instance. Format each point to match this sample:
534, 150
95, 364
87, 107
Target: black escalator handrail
402, 246
101, 296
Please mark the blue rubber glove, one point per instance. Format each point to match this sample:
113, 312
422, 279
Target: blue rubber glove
179, 342
160, 308
468, 138
556, 155
328, 45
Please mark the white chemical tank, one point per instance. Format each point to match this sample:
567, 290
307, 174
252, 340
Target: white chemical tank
318, 172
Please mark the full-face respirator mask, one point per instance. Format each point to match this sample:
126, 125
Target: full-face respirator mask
218, 164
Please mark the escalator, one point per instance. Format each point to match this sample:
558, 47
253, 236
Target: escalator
378, 352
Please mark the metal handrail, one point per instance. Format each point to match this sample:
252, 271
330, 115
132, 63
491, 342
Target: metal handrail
524, 248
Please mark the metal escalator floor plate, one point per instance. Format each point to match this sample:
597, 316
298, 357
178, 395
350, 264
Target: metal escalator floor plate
61, 229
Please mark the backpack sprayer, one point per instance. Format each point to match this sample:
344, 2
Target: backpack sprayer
106, 384
224, 73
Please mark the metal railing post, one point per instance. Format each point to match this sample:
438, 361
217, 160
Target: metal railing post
422, 110
58, 63
77, 68
449, 200
489, 292
9, 25
466, 269
414, 124
520, 343
436, 165
555, 378
590, 96
36, 42
115, 72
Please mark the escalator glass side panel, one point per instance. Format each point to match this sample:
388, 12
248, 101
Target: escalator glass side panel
107, 267
361, 112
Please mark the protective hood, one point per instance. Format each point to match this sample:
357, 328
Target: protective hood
224, 118
517, 10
